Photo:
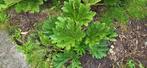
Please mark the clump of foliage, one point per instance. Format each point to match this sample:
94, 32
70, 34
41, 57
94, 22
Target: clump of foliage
123, 10
67, 37
63, 39
29, 5
3, 17
132, 64
5, 4
75, 33
38, 55
22, 5
36, 47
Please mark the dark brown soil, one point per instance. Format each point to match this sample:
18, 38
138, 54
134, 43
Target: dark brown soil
89, 62
25, 21
130, 44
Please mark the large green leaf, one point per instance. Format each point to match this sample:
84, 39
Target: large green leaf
99, 50
2, 1
67, 33
75, 63
48, 25
29, 6
60, 59
78, 11
99, 31
4, 4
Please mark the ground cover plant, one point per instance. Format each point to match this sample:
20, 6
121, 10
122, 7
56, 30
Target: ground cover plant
28, 5
65, 36
132, 64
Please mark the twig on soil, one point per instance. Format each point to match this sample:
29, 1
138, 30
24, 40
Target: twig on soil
99, 65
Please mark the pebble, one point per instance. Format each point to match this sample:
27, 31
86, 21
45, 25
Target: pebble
145, 43
111, 51
112, 46
24, 33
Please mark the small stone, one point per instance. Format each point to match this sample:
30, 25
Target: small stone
111, 51
112, 46
24, 33
145, 43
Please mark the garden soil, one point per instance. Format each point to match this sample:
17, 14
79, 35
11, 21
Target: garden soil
131, 42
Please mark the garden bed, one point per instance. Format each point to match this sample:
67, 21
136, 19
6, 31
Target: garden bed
78, 33
130, 43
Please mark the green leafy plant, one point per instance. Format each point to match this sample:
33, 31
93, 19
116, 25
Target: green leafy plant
141, 65
63, 39
78, 11
73, 33
22, 5
38, 55
61, 58
15, 33
5, 4
37, 47
29, 5
123, 10
132, 64
3, 17
99, 50
99, 31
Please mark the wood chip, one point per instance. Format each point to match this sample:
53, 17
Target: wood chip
24, 33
